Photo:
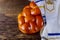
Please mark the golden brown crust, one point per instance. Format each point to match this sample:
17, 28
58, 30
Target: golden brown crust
30, 23
32, 5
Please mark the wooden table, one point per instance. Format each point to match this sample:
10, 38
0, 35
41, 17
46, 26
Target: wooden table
9, 10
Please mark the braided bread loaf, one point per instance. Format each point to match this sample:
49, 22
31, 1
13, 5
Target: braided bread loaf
30, 19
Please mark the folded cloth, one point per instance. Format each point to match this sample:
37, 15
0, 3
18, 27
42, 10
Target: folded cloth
52, 29
59, 15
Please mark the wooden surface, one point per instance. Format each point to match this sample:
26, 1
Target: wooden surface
9, 10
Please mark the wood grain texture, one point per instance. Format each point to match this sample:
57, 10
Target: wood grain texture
9, 10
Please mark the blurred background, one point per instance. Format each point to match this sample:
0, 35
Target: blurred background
9, 10
12, 7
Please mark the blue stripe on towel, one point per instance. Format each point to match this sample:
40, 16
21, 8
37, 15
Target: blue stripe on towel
39, 1
53, 34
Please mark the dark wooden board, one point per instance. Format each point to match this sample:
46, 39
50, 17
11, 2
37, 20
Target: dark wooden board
9, 10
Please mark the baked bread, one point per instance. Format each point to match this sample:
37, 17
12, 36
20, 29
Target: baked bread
30, 19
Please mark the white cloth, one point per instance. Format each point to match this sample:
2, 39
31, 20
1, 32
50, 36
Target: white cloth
52, 29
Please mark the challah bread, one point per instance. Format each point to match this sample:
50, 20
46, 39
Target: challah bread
30, 20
